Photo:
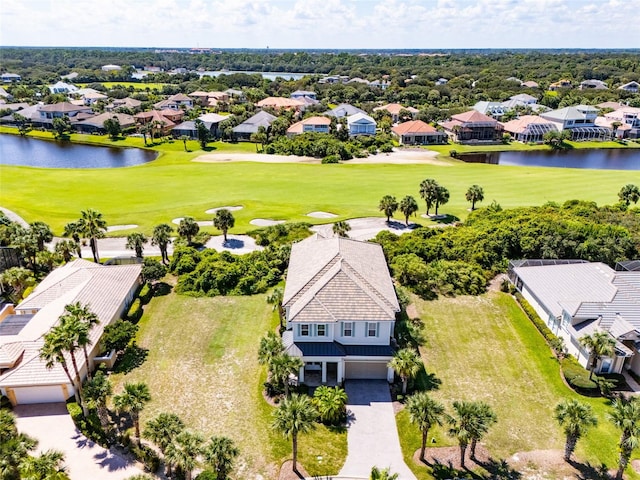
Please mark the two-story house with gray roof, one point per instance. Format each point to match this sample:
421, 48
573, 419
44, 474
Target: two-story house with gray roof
340, 307
580, 121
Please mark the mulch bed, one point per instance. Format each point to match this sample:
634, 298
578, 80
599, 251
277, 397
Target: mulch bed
450, 456
287, 473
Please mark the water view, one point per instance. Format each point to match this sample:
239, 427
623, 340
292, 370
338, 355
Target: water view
30, 152
601, 159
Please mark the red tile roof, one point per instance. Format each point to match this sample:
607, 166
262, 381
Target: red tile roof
413, 127
473, 116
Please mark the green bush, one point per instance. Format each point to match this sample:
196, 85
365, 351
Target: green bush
146, 293
535, 319
135, 311
89, 426
386, 148
5, 402
75, 411
578, 377
331, 159
207, 475
147, 456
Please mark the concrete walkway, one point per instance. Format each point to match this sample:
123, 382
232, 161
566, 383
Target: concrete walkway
372, 435
52, 426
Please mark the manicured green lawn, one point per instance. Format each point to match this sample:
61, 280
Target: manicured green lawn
202, 365
524, 147
485, 348
174, 186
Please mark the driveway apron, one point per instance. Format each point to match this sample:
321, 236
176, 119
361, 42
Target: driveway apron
52, 426
372, 435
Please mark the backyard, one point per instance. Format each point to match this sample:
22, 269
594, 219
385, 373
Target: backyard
202, 365
174, 186
485, 348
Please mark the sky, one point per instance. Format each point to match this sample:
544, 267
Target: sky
335, 24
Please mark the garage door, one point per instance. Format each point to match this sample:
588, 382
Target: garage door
366, 370
49, 394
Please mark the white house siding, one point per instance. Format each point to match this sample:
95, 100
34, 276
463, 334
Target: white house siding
385, 331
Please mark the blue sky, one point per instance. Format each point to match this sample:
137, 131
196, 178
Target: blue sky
322, 23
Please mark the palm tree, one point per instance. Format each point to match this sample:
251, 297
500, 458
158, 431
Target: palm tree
219, 454
66, 249
474, 194
384, 474
97, 391
42, 233
282, 366
224, 221
48, 465
270, 347
442, 197
629, 193
388, 205
133, 400
484, 418
275, 298
295, 415
462, 426
93, 227
428, 192
80, 320
599, 344
184, 451
52, 352
341, 228
18, 279
424, 412
408, 206
162, 430
575, 418
626, 417
331, 404
136, 241
74, 230
162, 238
406, 363
14, 446
188, 228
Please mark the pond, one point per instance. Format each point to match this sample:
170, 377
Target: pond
601, 159
31, 152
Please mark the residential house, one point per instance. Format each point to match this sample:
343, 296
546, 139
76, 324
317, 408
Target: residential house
89, 96
95, 124
394, 110
311, 124
210, 120
593, 85
341, 308
24, 376
5, 95
10, 77
236, 95
251, 125
530, 84
175, 102
111, 68
524, 99
124, 103
441, 81
632, 87
62, 87
624, 122
64, 109
381, 84
529, 128
564, 83
299, 94
156, 118
281, 103
580, 120
473, 127
343, 110
361, 124
577, 298
492, 109
417, 132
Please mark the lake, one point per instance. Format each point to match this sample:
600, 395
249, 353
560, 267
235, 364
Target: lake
32, 152
599, 159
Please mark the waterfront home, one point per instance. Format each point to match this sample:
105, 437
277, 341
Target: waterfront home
252, 125
492, 109
580, 120
63, 109
624, 122
529, 128
417, 132
95, 124
473, 127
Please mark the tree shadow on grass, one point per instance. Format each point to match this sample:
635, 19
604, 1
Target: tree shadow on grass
133, 357
209, 148
161, 289
426, 381
499, 469
586, 471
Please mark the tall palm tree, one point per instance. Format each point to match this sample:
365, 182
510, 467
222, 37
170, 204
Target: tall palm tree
136, 241
184, 451
42, 233
97, 391
461, 426
14, 446
629, 193
428, 192
408, 206
474, 194
48, 465
74, 230
294, 416
67, 248
18, 279
575, 418
52, 352
599, 344
484, 417
162, 430
406, 363
341, 228
275, 298
219, 454
442, 197
93, 227
626, 417
162, 238
224, 221
188, 228
80, 320
133, 400
282, 366
424, 412
388, 205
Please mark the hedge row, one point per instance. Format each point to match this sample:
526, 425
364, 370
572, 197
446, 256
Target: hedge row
89, 426
535, 319
135, 310
146, 293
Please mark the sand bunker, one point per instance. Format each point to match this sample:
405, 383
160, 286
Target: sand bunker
265, 222
231, 209
117, 228
433, 217
238, 244
202, 223
367, 228
321, 215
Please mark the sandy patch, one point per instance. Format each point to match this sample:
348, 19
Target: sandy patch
117, 228
265, 222
321, 215
253, 157
542, 464
238, 244
202, 223
433, 217
451, 456
231, 209
367, 228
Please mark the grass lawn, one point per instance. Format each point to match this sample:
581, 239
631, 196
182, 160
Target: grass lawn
524, 147
202, 365
485, 348
174, 186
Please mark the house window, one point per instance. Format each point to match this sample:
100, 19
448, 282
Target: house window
304, 330
347, 329
372, 329
321, 330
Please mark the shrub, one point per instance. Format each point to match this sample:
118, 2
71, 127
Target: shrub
5, 402
75, 411
146, 293
453, 153
89, 426
147, 456
578, 377
386, 148
207, 475
118, 335
331, 159
535, 319
135, 311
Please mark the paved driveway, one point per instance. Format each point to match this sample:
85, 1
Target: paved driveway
52, 426
372, 435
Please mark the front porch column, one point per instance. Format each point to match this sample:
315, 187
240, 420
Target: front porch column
301, 374
324, 372
340, 371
